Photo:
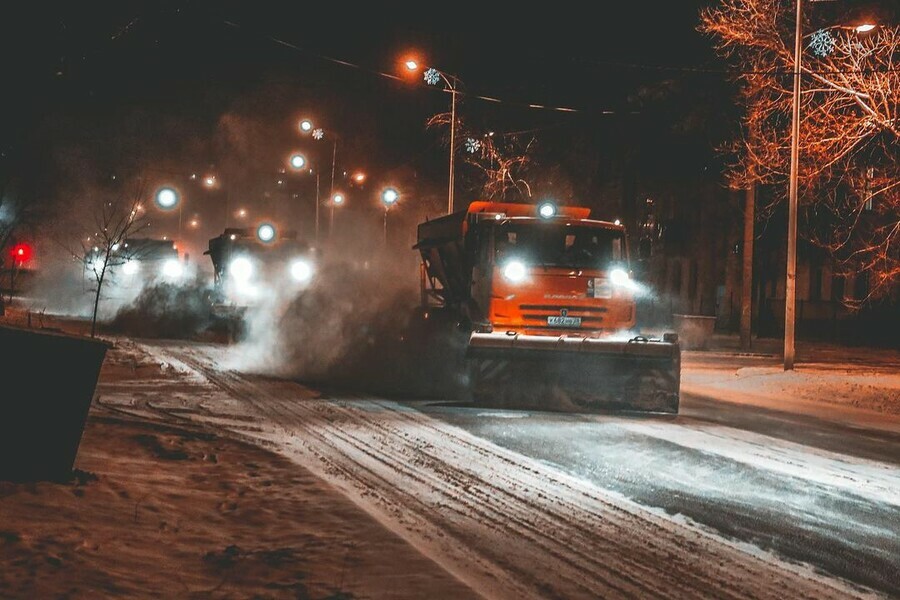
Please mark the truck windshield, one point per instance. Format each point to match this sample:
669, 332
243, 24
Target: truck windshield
550, 245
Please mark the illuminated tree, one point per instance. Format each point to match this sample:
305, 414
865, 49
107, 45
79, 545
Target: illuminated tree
502, 163
849, 173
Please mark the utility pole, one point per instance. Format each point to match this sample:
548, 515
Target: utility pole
747, 272
333, 157
452, 144
790, 286
317, 206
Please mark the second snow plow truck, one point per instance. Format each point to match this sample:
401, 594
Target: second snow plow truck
545, 296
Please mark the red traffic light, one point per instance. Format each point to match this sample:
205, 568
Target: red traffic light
21, 253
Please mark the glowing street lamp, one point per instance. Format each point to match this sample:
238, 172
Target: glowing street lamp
359, 177
298, 161
336, 200
306, 125
242, 213
265, 232
411, 65
166, 198
865, 27
389, 197
209, 181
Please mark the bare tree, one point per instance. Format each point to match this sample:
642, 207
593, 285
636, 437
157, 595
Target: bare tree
502, 164
849, 133
113, 222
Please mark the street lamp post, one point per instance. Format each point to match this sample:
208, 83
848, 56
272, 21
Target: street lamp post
790, 285
434, 76
307, 126
298, 163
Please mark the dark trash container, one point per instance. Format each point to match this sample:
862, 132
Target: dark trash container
47, 382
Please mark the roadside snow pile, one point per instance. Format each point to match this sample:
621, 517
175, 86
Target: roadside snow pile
874, 390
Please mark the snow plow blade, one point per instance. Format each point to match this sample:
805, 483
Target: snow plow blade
575, 373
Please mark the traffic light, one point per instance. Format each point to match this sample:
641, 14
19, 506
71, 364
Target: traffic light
21, 253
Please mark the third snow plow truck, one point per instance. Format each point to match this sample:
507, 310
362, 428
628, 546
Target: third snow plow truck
545, 296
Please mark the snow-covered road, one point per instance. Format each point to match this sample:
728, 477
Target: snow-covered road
520, 504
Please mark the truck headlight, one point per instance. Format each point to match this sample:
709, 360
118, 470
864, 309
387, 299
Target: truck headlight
618, 277
301, 270
130, 267
241, 269
514, 271
172, 269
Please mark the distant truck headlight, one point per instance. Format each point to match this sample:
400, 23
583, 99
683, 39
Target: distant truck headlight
241, 269
514, 271
172, 269
130, 267
301, 270
618, 277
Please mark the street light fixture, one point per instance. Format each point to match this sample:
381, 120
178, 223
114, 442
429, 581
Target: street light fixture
297, 162
434, 76
265, 232
389, 197
166, 198
336, 200
790, 287
306, 125
359, 177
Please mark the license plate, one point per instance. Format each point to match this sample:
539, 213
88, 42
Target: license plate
564, 321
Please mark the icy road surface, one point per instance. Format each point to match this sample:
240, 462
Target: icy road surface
722, 502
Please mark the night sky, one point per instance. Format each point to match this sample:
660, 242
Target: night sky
171, 88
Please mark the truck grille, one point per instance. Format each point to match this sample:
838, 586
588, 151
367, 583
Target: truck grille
535, 315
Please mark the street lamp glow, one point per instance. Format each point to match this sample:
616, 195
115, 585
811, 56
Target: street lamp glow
209, 181
338, 199
389, 196
359, 177
865, 27
166, 197
411, 65
306, 125
242, 213
265, 232
298, 161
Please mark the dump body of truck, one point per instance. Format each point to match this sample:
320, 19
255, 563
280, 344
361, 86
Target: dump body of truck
548, 299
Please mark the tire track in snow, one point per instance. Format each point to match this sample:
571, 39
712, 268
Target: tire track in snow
462, 472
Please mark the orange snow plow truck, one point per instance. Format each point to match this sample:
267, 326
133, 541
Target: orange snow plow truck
545, 295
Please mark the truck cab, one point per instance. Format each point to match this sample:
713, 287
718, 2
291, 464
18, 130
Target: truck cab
551, 273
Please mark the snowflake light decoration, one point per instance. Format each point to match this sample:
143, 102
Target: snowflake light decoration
432, 76
822, 43
318, 134
473, 145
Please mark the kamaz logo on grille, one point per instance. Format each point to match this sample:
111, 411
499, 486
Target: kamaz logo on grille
564, 312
